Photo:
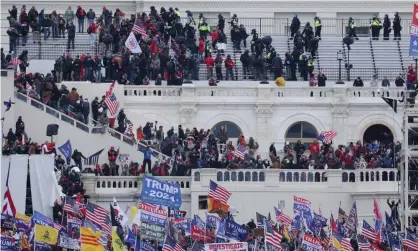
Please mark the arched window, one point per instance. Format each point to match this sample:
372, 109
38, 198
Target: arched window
303, 131
232, 130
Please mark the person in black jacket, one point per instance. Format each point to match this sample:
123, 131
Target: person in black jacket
386, 27
243, 34
397, 27
77, 158
61, 26
299, 148
71, 34
90, 17
321, 79
221, 22
13, 37
95, 109
295, 26
77, 68
88, 68
47, 26
358, 82
68, 66
13, 12
277, 66
246, 60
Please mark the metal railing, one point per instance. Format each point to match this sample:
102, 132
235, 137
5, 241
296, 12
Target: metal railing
87, 128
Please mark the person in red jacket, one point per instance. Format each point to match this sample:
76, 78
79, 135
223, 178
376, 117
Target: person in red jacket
214, 34
112, 155
201, 49
411, 78
210, 63
92, 31
229, 66
314, 149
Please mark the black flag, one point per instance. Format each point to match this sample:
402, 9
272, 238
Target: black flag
392, 102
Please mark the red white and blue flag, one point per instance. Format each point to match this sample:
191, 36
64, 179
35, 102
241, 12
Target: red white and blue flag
139, 30
410, 241
112, 104
8, 204
311, 243
327, 136
273, 237
283, 218
368, 232
413, 40
219, 193
171, 245
241, 151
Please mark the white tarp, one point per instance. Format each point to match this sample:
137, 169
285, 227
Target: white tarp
43, 183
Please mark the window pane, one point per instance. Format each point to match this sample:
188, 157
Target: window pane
294, 131
308, 131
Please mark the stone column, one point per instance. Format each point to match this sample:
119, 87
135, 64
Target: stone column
339, 111
264, 135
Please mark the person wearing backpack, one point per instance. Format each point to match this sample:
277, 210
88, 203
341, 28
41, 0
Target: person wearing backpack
81, 14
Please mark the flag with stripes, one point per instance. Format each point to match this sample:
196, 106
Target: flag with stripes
174, 45
93, 159
58, 227
345, 242
259, 218
99, 216
273, 237
8, 204
342, 216
112, 104
283, 218
241, 151
368, 232
139, 30
363, 243
352, 218
219, 193
171, 245
410, 241
128, 130
71, 206
327, 136
15, 61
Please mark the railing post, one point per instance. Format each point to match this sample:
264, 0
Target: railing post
342, 27
287, 27
40, 49
260, 27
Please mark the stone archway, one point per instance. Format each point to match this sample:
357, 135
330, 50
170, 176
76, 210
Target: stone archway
378, 132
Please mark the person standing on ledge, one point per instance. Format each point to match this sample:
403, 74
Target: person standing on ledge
147, 157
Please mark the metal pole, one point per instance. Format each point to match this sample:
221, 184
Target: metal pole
339, 70
416, 64
349, 67
404, 181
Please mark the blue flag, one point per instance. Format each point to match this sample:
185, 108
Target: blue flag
235, 231
66, 150
160, 192
40, 219
130, 238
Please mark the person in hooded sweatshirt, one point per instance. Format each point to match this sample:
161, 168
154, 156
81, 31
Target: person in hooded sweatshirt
86, 110
245, 61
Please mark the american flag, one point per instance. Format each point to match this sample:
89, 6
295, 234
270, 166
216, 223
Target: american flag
327, 136
342, 216
171, 245
345, 243
410, 241
58, 227
219, 193
367, 231
128, 130
174, 45
8, 206
363, 243
139, 30
241, 151
93, 159
99, 216
281, 217
71, 206
324, 239
352, 218
15, 61
112, 104
273, 237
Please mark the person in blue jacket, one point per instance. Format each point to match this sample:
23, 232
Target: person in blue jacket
147, 157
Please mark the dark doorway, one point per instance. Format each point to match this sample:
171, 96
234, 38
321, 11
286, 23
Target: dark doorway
378, 132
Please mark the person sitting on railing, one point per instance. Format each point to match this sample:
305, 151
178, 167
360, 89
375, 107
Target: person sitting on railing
358, 82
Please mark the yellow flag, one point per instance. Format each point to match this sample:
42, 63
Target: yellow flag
90, 240
117, 244
336, 244
286, 233
22, 217
46, 234
131, 213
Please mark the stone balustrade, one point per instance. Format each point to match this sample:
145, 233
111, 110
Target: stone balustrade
254, 92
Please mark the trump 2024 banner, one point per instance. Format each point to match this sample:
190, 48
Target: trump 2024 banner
236, 246
153, 223
159, 192
311, 243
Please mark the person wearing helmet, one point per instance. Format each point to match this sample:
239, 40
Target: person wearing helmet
375, 25
221, 22
318, 27
234, 20
352, 28
397, 27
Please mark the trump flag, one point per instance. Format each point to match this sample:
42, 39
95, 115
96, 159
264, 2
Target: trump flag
413, 42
